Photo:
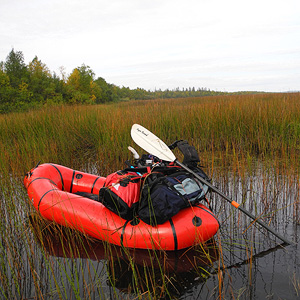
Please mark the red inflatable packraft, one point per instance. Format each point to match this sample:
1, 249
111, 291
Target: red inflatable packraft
52, 189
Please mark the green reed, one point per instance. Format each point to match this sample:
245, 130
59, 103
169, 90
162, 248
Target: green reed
264, 125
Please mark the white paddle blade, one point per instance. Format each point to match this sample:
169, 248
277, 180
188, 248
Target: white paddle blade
151, 143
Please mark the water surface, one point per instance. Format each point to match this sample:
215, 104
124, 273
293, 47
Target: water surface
243, 262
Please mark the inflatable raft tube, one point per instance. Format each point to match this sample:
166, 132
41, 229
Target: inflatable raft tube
52, 189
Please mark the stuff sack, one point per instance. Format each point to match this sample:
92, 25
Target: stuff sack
164, 196
121, 193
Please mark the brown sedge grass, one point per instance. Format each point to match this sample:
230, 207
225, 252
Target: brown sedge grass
229, 132
264, 125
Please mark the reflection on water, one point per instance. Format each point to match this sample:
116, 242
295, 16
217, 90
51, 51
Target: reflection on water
131, 271
256, 265
41, 260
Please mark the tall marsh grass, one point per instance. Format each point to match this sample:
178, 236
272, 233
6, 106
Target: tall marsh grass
233, 134
266, 125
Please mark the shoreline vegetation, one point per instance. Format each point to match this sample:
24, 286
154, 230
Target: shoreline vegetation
24, 87
223, 129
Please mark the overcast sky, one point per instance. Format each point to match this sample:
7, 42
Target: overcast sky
221, 45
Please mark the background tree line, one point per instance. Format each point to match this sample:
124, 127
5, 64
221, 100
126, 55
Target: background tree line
24, 86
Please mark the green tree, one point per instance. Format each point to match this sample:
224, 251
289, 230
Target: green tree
59, 90
41, 82
107, 92
25, 96
16, 69
80, 86
6, 91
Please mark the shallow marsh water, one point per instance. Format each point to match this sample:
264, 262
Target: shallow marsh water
246, 262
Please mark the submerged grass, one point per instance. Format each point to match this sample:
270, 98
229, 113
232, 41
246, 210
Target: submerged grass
233, 134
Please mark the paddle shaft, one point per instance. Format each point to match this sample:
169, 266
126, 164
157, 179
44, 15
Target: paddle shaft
152, 144
235, 204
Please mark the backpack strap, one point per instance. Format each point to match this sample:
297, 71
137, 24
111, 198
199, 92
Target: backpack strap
148, 170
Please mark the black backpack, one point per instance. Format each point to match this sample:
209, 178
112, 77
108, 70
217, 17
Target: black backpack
163, 196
